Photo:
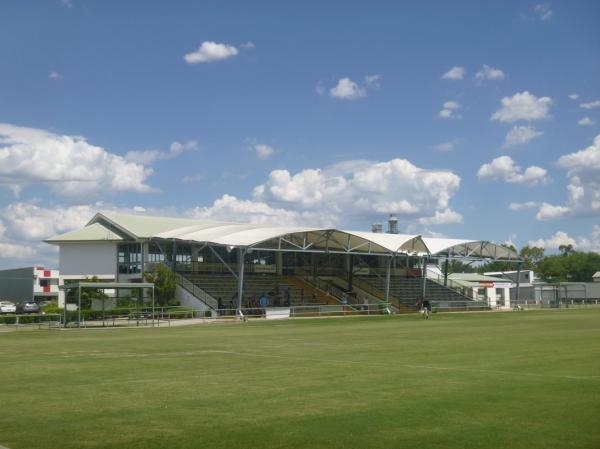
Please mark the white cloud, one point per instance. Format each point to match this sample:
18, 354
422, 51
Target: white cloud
447, 146
449, 110
263, 151
342, 193
455, 73
489, 73
523, 106
147, 157
446, 216
573, 96
29, 221
209, 52
346, 89
16, 251
543, 11
583, 171
586, 121
520, 135
503, 168
550, 212
69, 164
591, 243
558, 239
590, 105
54, 76
373, 81
230, 208
24, 225
523, 206
363, 189
248, 44
581, 243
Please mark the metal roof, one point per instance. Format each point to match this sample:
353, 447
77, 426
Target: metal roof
115, 226
476, 277
468, 248
93, 232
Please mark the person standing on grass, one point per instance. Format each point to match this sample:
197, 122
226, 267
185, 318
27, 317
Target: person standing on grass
426, 308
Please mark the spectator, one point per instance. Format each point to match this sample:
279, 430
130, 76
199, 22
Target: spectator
426, 309
264, 301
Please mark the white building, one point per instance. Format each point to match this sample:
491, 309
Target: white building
493, 290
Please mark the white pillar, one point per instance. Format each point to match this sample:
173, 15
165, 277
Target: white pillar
490, 294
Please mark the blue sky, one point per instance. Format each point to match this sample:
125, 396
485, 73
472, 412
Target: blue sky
469, 119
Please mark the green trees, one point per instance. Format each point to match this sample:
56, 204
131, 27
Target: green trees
532, 256
87, 294
569, 266
164, 283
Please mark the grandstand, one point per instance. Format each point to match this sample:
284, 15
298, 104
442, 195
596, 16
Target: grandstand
224, 265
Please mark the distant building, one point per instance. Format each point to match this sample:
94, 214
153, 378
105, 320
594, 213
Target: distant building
377, 228
526, 278
495, 291
535, 291
29, 283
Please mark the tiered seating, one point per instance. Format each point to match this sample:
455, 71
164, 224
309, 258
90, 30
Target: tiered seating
408, 290
225, 286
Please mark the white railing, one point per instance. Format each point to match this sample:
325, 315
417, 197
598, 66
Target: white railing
197, 291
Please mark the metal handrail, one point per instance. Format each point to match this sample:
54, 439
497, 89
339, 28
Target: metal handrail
196, 291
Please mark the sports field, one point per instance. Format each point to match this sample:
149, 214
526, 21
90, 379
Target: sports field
479, 380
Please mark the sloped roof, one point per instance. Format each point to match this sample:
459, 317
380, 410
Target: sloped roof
142, 226
93, 232
476, 277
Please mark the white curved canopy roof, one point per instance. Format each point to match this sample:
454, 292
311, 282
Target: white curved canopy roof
468, 248
289, 238
296, 238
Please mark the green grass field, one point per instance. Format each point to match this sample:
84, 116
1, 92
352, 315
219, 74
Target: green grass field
481, 380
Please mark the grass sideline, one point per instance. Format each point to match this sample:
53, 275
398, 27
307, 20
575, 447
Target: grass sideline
479, 380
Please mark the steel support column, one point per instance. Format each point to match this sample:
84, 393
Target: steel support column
446, 271
152, 306
350, 271
519, 266
242, 253
174, 256
79, 308
424, 275
387, 279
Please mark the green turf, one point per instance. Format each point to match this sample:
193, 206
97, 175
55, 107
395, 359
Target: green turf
488, 380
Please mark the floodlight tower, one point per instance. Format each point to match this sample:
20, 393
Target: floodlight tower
392, 224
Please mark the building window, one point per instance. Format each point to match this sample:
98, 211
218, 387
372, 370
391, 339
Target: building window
130, 258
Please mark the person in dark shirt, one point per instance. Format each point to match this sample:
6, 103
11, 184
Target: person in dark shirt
426, 308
